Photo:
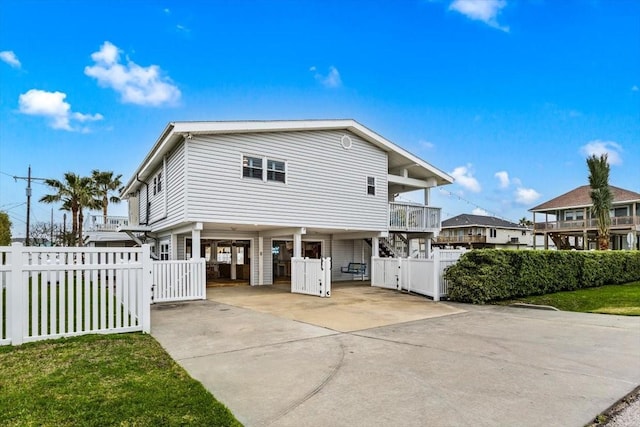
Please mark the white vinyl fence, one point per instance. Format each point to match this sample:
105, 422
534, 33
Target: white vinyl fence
311, 276
179, 280
61, 291
422, 276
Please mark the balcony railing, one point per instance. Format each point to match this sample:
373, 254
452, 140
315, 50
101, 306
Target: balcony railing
462, 239
98, 223
581, 224
413, 218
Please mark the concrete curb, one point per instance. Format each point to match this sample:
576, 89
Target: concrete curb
534, 306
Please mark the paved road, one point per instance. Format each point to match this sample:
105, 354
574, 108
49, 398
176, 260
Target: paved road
487, 366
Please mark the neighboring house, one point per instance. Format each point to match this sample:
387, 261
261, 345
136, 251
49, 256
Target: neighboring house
250, 195
569, 221
481, 231
98, 232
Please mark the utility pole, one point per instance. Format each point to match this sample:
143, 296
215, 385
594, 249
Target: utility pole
28, 178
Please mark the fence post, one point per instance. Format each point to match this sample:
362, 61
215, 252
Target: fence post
147, 282
17, 315
436, 275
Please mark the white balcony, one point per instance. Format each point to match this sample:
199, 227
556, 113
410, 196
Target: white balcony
98, 223
408, 217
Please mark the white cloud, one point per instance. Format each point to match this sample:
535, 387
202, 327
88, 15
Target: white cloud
480, 211
526, 196
136, 84
635, 88
10, 58
481, 10
331, 80
503, 177
427, 145
598, 147
464, 176
53, 106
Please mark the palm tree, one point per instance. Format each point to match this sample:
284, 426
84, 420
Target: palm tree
524, 222
106, 183
601, 196
75, 193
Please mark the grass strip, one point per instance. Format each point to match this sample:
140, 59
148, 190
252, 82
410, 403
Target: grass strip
102, 380
611, 299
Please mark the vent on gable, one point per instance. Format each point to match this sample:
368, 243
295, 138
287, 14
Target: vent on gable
346, 142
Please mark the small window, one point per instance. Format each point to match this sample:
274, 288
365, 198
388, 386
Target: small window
157, 183
252, 167
371, 185
164, 252
276, 171
493, 233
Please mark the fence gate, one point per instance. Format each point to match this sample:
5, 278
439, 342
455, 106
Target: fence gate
386, 273
422, 276
311, 276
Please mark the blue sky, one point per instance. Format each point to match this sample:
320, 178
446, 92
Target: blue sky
509, 97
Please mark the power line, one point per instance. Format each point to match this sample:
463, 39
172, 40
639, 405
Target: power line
28, 178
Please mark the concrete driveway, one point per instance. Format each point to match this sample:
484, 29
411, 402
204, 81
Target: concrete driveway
485, 365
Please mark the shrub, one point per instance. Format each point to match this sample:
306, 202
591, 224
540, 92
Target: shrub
487, 275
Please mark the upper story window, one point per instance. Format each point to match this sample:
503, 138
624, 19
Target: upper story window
276, 171
371, 185
157, 183
618, 212
493, 233
254, 167
574, 215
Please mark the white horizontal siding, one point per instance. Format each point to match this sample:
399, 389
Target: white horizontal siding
345, 251
173, 184
326, 184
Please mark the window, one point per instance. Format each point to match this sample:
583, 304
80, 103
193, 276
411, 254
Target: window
574, 215
164, 252
252, 167
493, 233
275, 171
618, 212
371, 185
157, 183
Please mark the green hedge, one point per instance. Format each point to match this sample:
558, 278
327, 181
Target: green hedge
485, 275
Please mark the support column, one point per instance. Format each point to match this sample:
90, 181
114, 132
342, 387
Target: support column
297, 244
195, 241
260, 261
234, 260
173, 250
427, 196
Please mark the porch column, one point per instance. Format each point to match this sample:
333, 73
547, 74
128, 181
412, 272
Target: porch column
375, 246
234, 259
173, 250
297, 244
260, 261
427, 248
427, 196
195, 241
533, 234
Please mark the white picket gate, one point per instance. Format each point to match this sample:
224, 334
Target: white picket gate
179, 280
55, 292
311, 276
386, 272
422, 276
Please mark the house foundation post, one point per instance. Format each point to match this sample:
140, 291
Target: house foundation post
195, 241
234, 260
260, 261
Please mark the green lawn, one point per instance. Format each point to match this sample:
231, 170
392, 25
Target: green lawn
102, 380
612, 299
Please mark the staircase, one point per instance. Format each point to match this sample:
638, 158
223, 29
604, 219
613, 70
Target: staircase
562, 242
395, 246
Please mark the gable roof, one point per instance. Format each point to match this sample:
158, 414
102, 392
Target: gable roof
580, 197
177, 131
468, 220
